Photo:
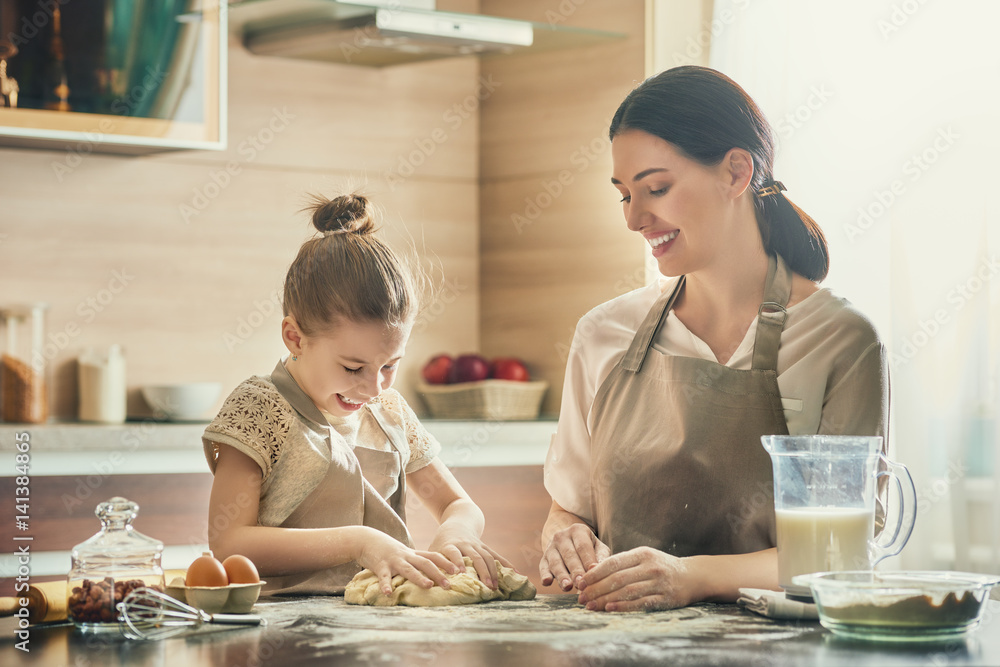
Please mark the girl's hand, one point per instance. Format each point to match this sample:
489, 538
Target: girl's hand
642, 579
387, 557
572, 553
454, 542
461, 521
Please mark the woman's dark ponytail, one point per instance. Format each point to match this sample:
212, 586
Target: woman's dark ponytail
789, 231
705, 114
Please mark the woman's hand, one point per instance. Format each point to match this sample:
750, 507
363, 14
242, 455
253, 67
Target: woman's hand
454, 541
572, 552
387, 557
642, 579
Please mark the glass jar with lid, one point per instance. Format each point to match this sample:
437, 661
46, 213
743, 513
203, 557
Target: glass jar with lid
111, 564
23, 388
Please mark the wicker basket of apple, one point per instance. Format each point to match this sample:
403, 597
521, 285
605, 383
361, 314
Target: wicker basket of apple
469, 386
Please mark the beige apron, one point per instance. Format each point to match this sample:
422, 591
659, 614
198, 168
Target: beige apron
352, 494
677, 460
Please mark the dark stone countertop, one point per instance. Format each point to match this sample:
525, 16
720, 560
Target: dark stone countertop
552, 630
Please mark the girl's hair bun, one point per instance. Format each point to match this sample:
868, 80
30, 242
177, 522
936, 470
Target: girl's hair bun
347, 213
348, 273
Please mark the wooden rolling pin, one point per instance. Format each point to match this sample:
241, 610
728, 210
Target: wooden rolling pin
47, 600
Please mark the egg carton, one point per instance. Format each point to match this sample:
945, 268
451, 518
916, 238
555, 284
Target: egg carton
231, 599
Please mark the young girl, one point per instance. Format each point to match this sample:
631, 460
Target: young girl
312, 462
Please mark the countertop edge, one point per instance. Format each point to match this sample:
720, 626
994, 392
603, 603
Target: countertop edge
138, 447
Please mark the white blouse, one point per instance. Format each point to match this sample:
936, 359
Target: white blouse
832, 375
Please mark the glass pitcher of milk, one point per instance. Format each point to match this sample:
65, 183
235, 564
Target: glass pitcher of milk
824, 503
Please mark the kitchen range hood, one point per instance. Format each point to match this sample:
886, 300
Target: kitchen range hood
378, 33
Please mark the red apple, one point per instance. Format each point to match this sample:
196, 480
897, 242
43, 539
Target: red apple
470, 368
508, 368
438, 369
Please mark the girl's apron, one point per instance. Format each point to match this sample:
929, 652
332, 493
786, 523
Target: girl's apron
353, 493
677, 460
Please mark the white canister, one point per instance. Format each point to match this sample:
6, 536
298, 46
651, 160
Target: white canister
102, 385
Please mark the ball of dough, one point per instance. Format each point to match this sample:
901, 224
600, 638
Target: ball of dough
466, 588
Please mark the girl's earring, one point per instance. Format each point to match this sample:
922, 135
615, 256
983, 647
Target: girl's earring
294, 358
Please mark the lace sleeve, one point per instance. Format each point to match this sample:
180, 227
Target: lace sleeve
253, 420
423, 446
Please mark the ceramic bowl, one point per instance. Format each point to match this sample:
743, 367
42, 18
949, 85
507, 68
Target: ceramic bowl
182, 401
231, 599
904, 606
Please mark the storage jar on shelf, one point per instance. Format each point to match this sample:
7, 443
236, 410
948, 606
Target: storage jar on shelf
23, 383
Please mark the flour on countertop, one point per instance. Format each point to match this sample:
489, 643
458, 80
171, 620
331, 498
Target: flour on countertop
556, 620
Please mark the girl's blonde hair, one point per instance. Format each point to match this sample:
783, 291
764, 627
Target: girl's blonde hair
348, 273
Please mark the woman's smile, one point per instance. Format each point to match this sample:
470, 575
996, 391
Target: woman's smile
665, 192
661, 242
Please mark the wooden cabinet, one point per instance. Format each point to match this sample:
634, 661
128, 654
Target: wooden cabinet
102, 77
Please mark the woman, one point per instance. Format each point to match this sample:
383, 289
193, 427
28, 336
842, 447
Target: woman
661, 488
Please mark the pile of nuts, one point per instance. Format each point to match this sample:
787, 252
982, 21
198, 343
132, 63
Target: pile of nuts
96, 601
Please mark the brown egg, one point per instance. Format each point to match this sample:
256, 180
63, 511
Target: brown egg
241, 570
206, 570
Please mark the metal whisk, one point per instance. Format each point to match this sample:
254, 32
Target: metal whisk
146, 613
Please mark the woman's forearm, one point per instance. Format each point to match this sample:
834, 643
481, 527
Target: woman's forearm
719, 578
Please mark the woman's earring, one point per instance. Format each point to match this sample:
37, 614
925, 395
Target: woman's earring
294, 358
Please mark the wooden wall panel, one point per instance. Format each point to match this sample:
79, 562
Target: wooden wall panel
553, 240
173, 508
346, 117
204, 238
540, 279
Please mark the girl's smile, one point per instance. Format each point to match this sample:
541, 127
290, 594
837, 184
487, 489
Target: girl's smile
348, 404
347, 366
